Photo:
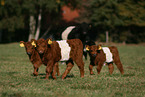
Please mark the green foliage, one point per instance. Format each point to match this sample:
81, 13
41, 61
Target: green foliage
11, 16
118, 13
115, 16
13, 13
103, 12
132, 12
16, 79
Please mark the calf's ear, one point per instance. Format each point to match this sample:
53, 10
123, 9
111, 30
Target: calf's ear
22, 43
49, 41
33, 42
99, 47
87, 48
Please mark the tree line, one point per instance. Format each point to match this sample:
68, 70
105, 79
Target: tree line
26, 19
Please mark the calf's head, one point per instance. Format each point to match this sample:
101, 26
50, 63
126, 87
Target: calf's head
94, 50
42, 45
28, 47
84, 27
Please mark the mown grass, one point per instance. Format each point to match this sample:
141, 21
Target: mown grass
16, 79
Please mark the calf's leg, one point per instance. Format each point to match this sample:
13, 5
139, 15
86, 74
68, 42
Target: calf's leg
85, 54
111, 68
56, 69
118, 63
80, 65
69, 67
35, 73
99, 67
91, 69
119, 66
49, 69
36, 68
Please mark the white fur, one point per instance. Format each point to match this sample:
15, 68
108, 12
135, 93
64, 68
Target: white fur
65, 50
66, 32
109, 56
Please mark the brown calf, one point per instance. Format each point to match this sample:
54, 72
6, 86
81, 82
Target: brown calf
34, 56
66, 50
100, 55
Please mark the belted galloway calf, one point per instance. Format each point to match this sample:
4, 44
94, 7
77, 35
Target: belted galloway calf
82, 32
34, 56
66, 50
101, 55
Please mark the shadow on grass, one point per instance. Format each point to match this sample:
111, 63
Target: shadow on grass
42, 74
133, 68
129, 67
12, 95
50, 77
86, 87
70, 76
128, 75
9, 73
124, 75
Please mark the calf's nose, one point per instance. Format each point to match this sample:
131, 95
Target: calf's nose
94, 55
40, 52
84, 32
29, 53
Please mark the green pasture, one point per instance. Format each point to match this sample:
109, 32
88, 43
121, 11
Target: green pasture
16, 79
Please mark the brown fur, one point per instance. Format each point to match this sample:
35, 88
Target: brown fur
34, 57
98, 57
51, 54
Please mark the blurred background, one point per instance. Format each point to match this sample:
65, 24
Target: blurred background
122, 20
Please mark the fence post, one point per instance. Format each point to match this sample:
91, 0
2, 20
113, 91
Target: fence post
107, 36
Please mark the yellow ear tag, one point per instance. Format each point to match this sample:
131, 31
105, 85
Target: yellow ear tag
99, 48
21, 44
33, 43
49, 42
87, 48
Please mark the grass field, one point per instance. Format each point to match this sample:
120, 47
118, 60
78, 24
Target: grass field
16, 79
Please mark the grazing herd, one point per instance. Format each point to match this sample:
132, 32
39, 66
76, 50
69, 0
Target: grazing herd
50, 52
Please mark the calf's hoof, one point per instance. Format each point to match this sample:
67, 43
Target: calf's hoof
122, 73
45, 78
35, 74
54, 77
92, 73
63, 78
82, 76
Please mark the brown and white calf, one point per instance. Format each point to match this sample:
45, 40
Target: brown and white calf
100, 55
34, 56
66, 50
